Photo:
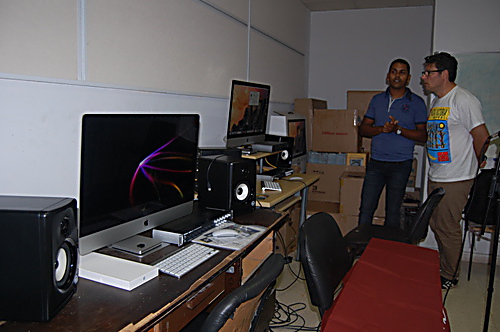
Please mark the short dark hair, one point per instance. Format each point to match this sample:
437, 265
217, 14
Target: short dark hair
444, 61
403, 61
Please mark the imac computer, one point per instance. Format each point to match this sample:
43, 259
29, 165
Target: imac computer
248, 108
137, 172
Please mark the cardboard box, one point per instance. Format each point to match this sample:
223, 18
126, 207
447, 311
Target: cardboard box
360, 100
357, 159
353, 220
318, 206
415, 195
414, 167
351, 185
327, 188
306, 106
335, 131
286, 242
327, 158
411, 181
346, 222
420, 155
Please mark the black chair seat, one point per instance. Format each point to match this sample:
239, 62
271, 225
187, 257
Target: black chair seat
358, 238
362, 234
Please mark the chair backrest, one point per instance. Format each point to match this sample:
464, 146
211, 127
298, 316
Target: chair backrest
480, 202
324, 257
239, 310
420, 223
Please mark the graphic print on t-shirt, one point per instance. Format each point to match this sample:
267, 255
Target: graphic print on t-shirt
438, 140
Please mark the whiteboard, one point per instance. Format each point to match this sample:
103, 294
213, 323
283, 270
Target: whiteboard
479, 73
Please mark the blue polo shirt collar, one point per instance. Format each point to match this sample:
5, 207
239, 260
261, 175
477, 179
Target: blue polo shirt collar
408, 94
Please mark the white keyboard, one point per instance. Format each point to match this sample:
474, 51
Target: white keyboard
270, 185
185, 259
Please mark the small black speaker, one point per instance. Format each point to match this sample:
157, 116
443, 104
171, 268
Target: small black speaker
38, 256
227, 183
284, 158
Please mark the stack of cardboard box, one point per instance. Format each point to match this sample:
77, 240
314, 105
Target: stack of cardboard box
339, 155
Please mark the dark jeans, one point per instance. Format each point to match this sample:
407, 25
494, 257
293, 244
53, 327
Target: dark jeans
391, 175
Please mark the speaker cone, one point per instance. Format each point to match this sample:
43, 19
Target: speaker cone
242, 191
284, 154
65, 265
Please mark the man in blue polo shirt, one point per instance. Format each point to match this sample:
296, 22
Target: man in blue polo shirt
395, 119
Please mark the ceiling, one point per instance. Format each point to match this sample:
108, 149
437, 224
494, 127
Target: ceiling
326, 5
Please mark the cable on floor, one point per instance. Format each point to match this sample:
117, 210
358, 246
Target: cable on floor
287, 317
297, 277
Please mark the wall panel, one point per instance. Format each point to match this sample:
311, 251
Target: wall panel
39, 38
279, 66
168, 45
289, 26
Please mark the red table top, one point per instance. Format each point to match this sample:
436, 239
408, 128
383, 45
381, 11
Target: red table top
393, 287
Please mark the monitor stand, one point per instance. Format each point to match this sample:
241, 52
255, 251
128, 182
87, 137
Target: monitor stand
138, 245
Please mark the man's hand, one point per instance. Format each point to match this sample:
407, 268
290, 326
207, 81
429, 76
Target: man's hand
390, 127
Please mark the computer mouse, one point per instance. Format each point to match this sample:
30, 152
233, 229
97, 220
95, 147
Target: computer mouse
226, 232
293, 178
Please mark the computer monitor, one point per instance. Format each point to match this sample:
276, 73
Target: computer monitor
292, 125
297, 130
137, 172
248, 108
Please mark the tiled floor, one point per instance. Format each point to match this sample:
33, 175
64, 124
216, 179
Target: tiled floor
465, 304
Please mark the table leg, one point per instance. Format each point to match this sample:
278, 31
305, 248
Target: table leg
302, 218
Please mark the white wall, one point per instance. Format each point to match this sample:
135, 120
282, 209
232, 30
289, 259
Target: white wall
352, 50
60, 59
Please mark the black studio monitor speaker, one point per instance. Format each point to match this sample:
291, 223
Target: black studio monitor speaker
284, 158
227, 183
38, 256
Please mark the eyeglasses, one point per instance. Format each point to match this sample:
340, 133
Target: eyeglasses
428, 72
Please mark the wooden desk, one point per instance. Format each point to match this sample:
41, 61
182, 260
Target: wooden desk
259, 157
288, 188
164, 303
393, 287
280, 200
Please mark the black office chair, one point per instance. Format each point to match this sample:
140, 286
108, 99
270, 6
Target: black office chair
476, 222
358, 238
243, 308
324, 257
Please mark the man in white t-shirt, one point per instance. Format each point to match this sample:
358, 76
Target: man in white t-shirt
456, 132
